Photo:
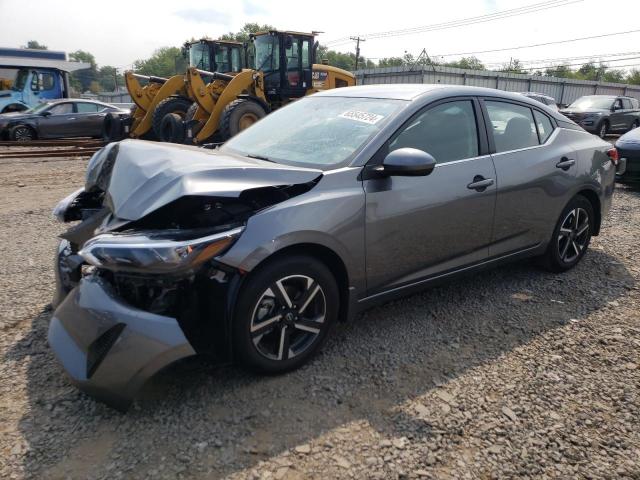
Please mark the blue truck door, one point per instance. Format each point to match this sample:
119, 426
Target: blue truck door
46, 84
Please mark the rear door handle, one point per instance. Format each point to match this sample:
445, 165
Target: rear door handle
480, 183
71, 118
565, 163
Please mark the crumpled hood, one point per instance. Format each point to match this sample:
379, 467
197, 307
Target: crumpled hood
149, 175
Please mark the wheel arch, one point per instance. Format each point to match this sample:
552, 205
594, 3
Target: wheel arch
594, 199
330, 259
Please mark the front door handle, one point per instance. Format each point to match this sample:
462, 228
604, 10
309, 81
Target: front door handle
480, 183
71, 118
565, 163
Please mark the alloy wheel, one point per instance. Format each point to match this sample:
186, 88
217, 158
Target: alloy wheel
573, 236
288, 317
603, 130
23, 134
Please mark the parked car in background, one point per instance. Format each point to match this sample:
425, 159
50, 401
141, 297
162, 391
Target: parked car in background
542, 98
604, 114
57, 119
628, 146
329, 205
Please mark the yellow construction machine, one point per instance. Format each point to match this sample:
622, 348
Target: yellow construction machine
282, 69
156, 97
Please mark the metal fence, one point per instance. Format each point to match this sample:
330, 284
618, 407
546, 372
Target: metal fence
115, 97
564, 90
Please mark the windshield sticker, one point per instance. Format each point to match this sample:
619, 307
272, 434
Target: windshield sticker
365, 117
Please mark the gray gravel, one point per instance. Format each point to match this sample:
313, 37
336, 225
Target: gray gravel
508, 373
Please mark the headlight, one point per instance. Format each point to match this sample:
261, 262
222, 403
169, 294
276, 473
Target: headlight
145, 254
63, 205
593, 114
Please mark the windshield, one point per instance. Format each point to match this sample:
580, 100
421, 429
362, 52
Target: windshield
319, 132
21, 80
38, 108
267, 53
199, 56
586, 103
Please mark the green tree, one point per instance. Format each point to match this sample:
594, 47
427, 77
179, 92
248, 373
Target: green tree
245, 31
469, 63
514, 66
391, 62
107, 78
634, 77
35, 44
165, 62
614, 76
81, 80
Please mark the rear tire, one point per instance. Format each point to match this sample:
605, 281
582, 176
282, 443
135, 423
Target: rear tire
173, 129
177, 105
284, 313
22, 133
238, 115
571, 236
635, 124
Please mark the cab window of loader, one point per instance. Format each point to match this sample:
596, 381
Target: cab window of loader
267, 53
306, 63
199, 56
235, 60
293, 55
222, 59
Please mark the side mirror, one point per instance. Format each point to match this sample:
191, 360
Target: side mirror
408, 162
46, 113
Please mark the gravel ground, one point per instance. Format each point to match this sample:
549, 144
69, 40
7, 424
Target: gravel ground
508, 373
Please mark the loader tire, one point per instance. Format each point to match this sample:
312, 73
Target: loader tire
191, 112
112, 128
238, 115
177, 105
173, 129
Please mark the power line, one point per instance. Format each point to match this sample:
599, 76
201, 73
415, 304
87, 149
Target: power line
537, 44
602, 57
462, 22
357, 40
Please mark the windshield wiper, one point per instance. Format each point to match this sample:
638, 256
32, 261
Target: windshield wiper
259, 157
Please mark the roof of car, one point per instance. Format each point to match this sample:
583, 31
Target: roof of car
411, 92
81, 100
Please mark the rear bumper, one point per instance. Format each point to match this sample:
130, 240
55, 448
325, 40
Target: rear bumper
629, 166
108, 348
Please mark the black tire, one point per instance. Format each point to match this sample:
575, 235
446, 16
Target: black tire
635, 124
238, 115
568, 243
173, 129
603, 129
112, 128
22, 133
177, 105
265, 349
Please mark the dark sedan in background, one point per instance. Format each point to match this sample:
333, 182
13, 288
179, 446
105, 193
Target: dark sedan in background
604, 114
57, 119
628, 146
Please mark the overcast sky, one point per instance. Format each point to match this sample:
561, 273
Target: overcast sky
118, 32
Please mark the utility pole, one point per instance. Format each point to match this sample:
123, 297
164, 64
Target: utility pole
357, 40
115, 79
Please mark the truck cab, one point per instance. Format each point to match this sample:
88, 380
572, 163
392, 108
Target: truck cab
216, 55
30, 87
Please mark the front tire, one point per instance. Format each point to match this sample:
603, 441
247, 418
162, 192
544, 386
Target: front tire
177, 105
22, 133
571, 236
284, 313
238, 115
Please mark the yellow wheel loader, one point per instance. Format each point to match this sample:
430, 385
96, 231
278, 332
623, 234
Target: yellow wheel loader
283, 69
157, 97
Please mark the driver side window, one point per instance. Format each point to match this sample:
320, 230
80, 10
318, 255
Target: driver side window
61, 109
447, 131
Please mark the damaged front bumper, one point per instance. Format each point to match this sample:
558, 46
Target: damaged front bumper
109, 348
113, 331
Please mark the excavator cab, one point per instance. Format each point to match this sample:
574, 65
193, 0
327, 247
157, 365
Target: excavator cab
215, 55
286, 60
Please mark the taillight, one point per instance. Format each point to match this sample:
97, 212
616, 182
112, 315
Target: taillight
612, 153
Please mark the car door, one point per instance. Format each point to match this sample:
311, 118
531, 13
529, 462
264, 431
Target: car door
56, 123
629, 116
535, 163
418, 227
88, 121
617, 118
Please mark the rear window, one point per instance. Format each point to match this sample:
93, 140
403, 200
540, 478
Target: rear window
545, 127
86, 107
512, 126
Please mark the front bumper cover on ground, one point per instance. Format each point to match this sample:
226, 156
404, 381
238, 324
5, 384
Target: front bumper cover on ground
108, 348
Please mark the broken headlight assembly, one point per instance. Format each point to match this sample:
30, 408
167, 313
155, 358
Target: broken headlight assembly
150, 253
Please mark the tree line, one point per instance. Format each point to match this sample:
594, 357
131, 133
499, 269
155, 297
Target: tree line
168, 61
